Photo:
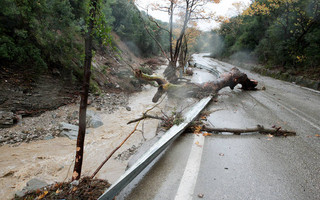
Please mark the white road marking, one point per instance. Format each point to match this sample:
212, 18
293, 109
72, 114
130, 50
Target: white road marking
190, 175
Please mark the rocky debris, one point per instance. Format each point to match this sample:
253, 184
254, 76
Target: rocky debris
69, 130
125, 155
142, 149
6, 119
46, 125
31, 185
109, 102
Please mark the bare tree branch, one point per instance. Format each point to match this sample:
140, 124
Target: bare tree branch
258, 128
145, 116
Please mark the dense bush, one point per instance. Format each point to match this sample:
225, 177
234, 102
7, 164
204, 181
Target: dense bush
38, 34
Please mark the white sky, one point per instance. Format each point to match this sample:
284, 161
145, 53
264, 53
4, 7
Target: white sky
224, 8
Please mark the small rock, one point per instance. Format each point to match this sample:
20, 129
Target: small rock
6, 118
48, 137
33, 184
128, 108
69, 130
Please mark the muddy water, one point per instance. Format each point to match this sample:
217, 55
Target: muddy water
52, 160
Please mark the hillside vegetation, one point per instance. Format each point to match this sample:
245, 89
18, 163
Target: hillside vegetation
42, 51
280, 34
46, 34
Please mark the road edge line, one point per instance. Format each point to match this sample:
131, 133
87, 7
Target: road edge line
190, 175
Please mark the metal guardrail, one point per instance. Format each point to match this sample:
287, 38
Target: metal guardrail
211, 70
155, 150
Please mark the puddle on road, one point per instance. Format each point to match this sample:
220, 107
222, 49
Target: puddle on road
52, 160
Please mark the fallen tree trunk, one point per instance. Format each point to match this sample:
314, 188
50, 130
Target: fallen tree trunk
258, 128
228, 79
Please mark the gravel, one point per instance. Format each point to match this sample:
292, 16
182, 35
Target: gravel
46, 126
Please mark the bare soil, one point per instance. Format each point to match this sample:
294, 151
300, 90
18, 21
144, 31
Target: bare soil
87, 188
46, 125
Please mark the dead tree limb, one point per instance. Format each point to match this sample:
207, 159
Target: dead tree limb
227, 79
258, 128
145, 116
116, 149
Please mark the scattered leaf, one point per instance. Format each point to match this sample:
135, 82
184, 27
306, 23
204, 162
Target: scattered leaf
198, 144
74, 189
43, 195
206, 134
197, 129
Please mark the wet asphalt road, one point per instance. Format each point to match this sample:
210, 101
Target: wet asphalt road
248, 166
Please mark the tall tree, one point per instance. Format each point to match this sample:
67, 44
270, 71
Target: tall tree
85, 90
96, 27
187, 10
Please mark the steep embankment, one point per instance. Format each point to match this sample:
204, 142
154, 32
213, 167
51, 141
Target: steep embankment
22, 94
25, 92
